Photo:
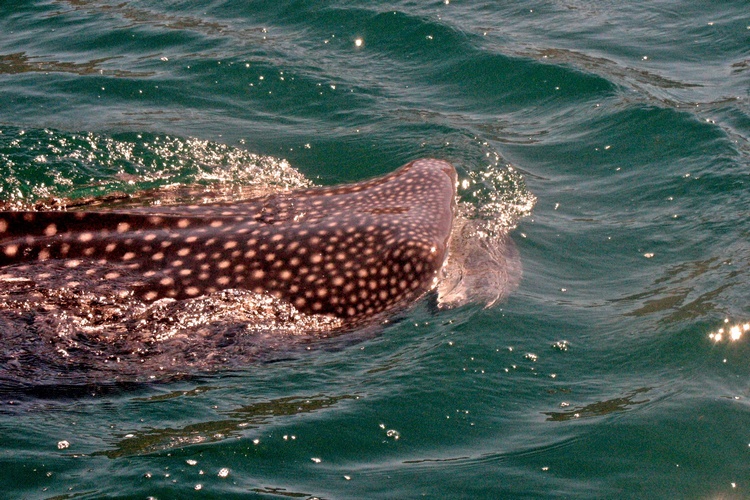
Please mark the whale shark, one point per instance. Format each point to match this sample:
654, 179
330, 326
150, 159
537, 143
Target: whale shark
355, 251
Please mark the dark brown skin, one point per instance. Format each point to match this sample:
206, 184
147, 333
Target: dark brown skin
352, 251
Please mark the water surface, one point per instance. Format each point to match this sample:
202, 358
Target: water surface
602, 375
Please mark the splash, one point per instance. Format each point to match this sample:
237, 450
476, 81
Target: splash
483, 264
51, 169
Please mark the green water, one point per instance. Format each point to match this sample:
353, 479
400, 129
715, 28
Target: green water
596, 378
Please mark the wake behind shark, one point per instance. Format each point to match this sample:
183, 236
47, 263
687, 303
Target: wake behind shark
354, 252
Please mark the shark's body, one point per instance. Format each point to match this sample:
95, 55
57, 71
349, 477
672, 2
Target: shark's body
352, 251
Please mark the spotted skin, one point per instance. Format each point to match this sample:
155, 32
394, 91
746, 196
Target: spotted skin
352, 251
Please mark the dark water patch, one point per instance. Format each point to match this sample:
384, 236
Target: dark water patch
127, 16
13, 64
598, 409
609, 69
238, 422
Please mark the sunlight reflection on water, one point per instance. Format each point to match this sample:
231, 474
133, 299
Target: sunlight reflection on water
731, 333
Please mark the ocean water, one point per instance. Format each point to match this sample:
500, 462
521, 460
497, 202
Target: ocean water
618, 368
